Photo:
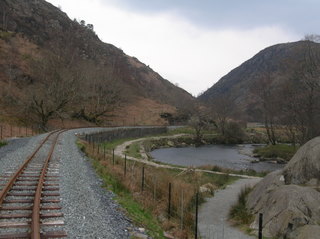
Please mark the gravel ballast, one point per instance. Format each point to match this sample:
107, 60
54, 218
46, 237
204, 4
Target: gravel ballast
16, 151
89, 210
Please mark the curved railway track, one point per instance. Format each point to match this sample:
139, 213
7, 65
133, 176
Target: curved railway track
29, 196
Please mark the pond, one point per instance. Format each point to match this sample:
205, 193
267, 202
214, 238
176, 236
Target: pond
227, 156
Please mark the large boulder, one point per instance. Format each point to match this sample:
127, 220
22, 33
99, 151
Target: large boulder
305, 164
286, 208
289, 199
305, 232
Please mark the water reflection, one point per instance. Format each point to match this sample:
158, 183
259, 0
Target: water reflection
226, 156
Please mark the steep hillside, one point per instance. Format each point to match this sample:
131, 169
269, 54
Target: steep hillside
41, 48
282, 63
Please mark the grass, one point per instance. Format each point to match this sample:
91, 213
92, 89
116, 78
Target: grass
133, 150
180, 130
283, 151
239, 213
113, 144
3, 143
248, 172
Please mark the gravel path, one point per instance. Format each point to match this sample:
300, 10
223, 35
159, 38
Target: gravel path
214, 212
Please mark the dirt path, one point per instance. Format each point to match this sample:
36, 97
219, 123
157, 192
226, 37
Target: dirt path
214, 213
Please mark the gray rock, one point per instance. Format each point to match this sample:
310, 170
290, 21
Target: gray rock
306, 232
305, 164
289, 198
286, 204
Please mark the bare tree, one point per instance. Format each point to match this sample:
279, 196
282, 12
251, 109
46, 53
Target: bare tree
312, 37
300, 99
55, 87
198, 123
267, 97
100, 93
223, 109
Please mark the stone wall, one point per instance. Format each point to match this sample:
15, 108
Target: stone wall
121, 133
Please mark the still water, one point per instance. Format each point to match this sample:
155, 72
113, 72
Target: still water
226, 156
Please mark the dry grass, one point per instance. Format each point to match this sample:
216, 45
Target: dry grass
154, 195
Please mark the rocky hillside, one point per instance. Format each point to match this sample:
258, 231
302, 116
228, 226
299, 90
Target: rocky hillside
42, 50
280, 64
289, 198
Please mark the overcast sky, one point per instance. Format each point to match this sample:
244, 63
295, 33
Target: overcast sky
193, 43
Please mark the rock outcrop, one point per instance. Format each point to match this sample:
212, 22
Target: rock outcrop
304, 167
290, 198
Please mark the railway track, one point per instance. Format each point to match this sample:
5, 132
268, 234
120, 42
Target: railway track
29, 196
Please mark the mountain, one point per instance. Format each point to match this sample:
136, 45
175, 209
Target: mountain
51, 63
281, 64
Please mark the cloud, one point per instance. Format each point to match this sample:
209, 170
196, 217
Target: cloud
179, 50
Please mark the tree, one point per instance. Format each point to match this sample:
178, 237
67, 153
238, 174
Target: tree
199, 122
267, 95
300, 100
100, 92
312, 37
55, 88
222, 109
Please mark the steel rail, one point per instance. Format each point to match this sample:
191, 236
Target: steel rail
35, 222
13, 179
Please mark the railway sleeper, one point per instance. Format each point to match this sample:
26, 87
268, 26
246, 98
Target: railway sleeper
27, 208
44, 235
27, 224
31, 194
29, 215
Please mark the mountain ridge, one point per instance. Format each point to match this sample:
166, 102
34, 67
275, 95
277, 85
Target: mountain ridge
50, 30
280, 62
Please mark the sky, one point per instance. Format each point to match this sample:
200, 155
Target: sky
193, 43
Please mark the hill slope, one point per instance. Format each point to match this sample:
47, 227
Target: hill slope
40, 46
282, 63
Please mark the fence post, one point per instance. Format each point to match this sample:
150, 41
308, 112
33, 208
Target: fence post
1, 132
260, 225
196, 221
26, 131
104, 152
113, 156
125, 165
142, 180
154, 188
169, 202
181, 220
11, 133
